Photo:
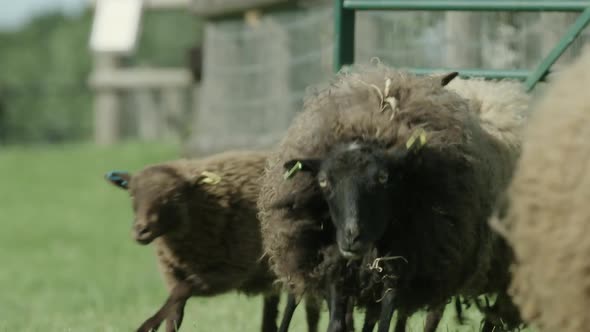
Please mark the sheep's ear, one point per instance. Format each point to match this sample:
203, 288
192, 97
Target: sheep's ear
119, 178
304, 165
447, 78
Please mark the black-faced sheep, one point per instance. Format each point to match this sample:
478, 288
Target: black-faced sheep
201, 216
390, 181
548, 219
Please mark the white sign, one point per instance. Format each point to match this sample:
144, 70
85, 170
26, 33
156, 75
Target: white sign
116, 24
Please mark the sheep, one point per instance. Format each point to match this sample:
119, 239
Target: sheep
201, 216
399, 172
548, 218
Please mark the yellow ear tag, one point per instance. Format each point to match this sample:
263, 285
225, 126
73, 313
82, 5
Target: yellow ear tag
210, 178
423, 138
296, 168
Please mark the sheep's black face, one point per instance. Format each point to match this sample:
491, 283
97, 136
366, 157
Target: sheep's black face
155, 194
359, 183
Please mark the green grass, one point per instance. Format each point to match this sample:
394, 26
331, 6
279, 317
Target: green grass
68, 261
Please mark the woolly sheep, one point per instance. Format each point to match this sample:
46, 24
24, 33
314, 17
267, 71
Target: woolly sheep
548, 219
434, 222
201, 216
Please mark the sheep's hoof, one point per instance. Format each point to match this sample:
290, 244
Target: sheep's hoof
149, 325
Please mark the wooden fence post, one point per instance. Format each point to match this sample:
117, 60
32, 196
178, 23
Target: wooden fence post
148, 116
106, 104
174, 112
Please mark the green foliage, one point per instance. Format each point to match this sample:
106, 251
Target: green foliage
44, 69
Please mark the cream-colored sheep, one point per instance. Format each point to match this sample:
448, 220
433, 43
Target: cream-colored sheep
549, 217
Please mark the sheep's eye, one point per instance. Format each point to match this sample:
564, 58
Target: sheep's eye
323, 182
382, 177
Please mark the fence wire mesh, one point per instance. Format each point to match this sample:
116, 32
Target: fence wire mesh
256, 72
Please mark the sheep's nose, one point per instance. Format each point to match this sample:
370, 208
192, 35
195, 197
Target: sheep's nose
141, 229
352, 233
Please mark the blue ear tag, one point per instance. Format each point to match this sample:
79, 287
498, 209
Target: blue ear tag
115, 177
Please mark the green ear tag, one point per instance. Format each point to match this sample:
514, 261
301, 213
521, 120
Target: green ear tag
423, 138
289, 174
417, 134
411, 141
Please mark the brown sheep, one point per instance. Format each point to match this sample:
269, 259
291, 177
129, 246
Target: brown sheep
201, 216
425, 204
548, 219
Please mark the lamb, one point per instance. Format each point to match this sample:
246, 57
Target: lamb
201, 216
548, 218
400, 173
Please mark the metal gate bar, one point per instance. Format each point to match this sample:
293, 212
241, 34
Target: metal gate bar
345, 29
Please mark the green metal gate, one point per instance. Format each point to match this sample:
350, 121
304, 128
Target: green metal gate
345, 28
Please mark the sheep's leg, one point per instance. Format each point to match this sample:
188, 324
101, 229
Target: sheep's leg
337, 305
350, 315
387, 307
502, 316
176, 300
433, 318
270, 313
402, 321
288, 314
487, 323
488, 326
312, 314
371, 318
175, 318
459, 310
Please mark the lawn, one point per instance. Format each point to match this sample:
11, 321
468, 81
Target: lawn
68, 261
